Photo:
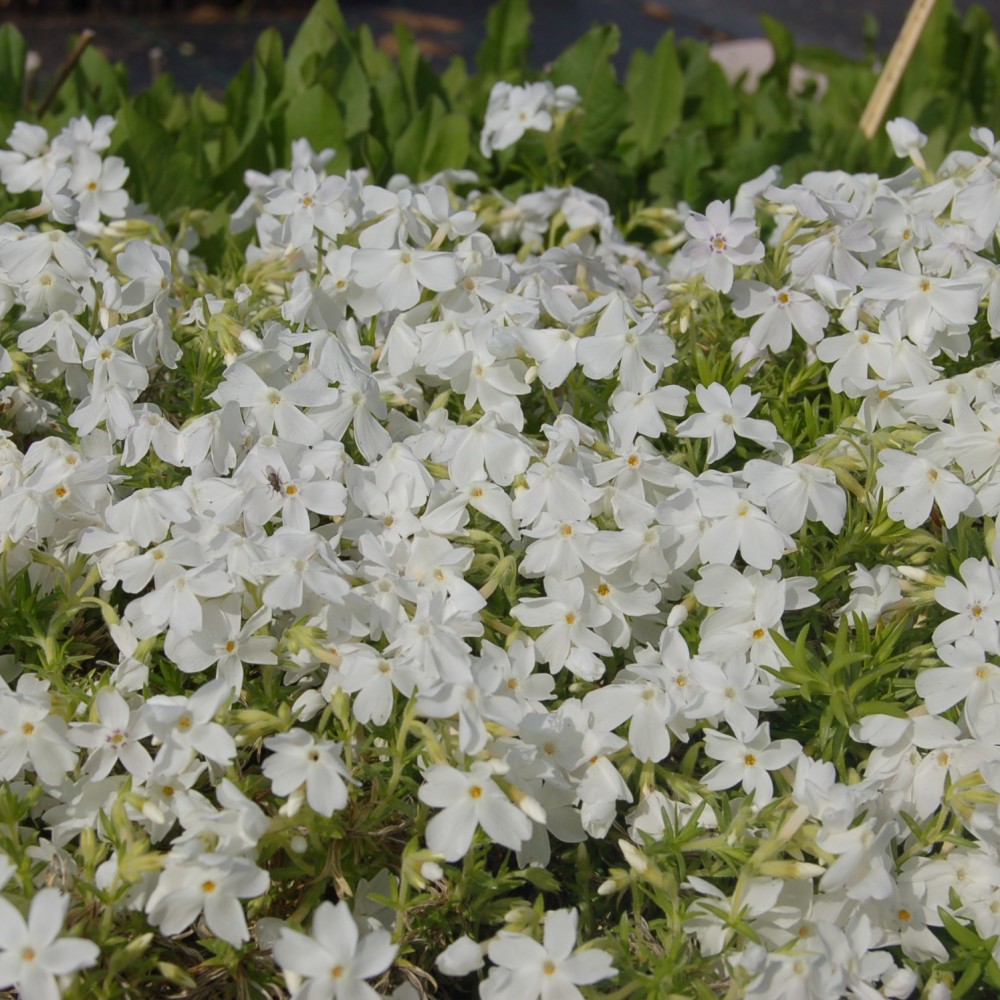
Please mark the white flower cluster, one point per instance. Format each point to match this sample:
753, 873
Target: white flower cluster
390, 507
514, 110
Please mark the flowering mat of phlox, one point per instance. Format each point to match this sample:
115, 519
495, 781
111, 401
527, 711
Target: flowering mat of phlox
453, 597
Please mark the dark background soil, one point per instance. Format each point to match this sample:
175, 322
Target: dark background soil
206, 43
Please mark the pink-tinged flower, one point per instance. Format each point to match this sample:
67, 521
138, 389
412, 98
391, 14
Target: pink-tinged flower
720, 242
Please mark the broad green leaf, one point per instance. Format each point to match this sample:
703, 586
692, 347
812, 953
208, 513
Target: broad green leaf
12, 53
269, 61
508, 38
317, 34
96, 87
783, 43
655, 86
418, 78
587, 66
315, 115
352, 90
433, 141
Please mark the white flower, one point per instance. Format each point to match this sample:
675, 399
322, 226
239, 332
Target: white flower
114, 738
335, 960
298, 758
746, 760
211, 883
907, 140
779, 311
552, 970
915, 484
469, 800
514, 110
31, 952
724, 416
185, 726
720, 242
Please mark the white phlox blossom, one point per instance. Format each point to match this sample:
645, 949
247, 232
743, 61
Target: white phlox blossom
513, 110
525, 968
334, 961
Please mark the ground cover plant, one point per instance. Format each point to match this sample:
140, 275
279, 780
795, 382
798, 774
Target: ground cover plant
452, 585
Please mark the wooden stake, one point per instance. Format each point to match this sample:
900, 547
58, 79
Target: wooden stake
895, 66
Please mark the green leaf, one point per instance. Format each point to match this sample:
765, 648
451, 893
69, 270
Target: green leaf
655, 86
587, 66
315, 115
783, 43
433, 141
317, 35
540, 879
416, 74
96, 87
269, 62
12, 54
508, 38
352, 89
962, 934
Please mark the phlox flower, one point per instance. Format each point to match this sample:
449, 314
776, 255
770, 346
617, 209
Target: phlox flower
114, 738
929, 303
737, 525
490, 447
274, 407
468, 800
210, 884
514, 110
333, 962
96, 184
297, 759
626, 343
148, 268
177, 603
872, 592
792, 493
31, 735
399, 276
907, 140
32, 954
779, 311
226, 641
639, 411
724, 416
975, 601
969, 676
640, 694
525, 969
746, 760
570, 614
185, 726
719, 242
915, 484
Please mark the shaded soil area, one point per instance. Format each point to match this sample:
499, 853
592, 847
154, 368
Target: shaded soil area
206, 43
